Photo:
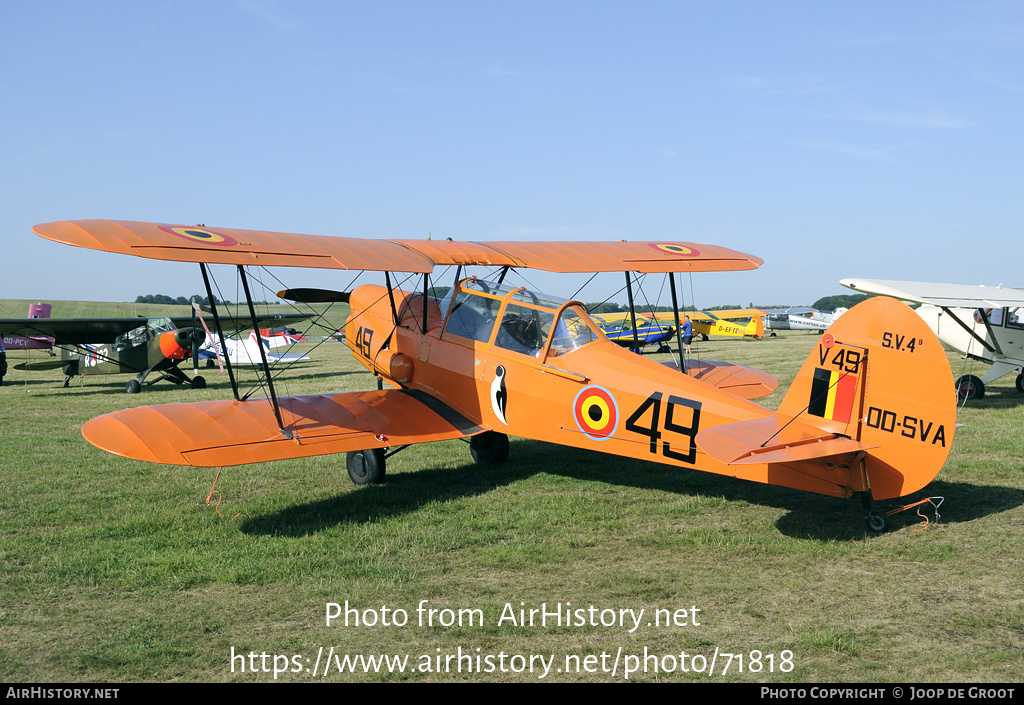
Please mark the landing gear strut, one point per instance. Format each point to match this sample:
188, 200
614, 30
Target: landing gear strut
877, 522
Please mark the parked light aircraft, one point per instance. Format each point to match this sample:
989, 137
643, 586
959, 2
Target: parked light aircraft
21, 342
984, 323
778, 318
619, 329
247, 351
800, 319
491, 360
120, 345
737, 323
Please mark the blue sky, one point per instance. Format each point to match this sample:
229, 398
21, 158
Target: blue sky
869, 139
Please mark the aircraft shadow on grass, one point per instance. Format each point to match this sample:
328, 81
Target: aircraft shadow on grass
996, 398
808, 516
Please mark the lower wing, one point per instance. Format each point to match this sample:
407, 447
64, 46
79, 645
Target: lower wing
221, 433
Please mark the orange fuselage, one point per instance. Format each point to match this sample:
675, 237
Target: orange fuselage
598, 396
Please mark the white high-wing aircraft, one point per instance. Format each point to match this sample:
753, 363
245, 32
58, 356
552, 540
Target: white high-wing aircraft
983, 323
247, 352
800, 319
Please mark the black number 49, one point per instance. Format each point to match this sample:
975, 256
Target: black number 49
652, 431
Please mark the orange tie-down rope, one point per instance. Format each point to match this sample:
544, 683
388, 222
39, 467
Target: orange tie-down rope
930, 500
216, 508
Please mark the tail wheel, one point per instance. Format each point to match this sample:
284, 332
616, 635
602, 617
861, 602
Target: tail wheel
970, 387
198, 382
366, 467
877, 522
133, 386
489, 448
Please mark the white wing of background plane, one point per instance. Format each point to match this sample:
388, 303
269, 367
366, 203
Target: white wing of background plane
943, 295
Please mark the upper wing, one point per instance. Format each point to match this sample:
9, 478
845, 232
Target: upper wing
217, 433
256, 247
739, 313
72, 330
797, 310
955, 295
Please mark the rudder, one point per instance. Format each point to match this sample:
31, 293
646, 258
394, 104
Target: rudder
880, 376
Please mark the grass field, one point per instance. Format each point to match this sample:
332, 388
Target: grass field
115, 572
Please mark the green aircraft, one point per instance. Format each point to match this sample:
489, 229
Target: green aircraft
136, 345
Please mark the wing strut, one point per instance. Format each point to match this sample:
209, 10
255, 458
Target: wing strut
971, 330
263, 353
679, 328
426, 289
220, 332
391, 297
632, 311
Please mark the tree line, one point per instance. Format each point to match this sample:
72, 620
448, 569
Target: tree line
166, 300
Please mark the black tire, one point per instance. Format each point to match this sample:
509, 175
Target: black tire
1020, 383
969, 387
133, 386
366, 467
773, 335
489, 448
198, 382
877, 522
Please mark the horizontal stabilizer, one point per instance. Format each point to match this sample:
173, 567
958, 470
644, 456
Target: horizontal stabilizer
221, 433
773, 440
744, 382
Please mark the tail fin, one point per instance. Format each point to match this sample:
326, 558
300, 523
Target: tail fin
756, 327
880, 377
39, 310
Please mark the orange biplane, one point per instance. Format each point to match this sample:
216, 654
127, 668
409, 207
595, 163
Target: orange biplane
863, 417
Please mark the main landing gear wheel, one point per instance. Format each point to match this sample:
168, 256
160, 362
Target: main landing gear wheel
198, 383
133, 387
1020, 383
489, 448
877, 522
970, 387
366, 467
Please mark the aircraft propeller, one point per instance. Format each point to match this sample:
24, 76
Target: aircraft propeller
314, 296
197, 338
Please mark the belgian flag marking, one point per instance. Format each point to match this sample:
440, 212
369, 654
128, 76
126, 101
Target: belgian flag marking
832, 395
198, 234
596, 412
674, 248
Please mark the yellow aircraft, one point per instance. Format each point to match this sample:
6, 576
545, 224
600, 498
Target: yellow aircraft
738, 323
